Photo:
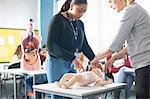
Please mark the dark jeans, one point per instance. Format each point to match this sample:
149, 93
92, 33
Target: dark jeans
142, 83
39, 79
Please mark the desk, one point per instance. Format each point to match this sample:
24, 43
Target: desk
20, 72
130, 70
0, 86
129, 76
33, 74
4, 65
14, 72
79, 92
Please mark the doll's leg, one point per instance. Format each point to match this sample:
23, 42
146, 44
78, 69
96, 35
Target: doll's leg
104, 82
72, 81
66, 77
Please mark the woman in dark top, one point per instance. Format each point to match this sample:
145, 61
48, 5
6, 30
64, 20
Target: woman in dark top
66, 39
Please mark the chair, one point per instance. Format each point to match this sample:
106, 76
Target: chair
14, 65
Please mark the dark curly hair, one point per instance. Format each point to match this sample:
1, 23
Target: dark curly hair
66, 5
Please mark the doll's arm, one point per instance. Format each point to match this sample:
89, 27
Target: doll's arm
64, 79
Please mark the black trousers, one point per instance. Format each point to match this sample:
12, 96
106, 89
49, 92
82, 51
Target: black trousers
143, 83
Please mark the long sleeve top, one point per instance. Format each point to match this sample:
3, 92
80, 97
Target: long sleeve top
135, 29
61, 41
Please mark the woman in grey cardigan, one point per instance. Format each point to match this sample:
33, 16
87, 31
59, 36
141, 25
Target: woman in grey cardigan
135, 29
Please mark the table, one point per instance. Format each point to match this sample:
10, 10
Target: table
20, 72
79, 92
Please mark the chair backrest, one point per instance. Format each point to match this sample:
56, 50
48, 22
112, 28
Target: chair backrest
14, 65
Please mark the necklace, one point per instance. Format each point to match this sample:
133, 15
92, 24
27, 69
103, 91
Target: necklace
75, 32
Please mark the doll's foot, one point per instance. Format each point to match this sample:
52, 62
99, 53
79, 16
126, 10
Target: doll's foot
110, 81
58, 84
65, 85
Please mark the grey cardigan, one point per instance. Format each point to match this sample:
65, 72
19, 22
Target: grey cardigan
135, 29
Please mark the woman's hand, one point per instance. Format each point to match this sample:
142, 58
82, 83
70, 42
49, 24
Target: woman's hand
101, 55
109, 64
94, 63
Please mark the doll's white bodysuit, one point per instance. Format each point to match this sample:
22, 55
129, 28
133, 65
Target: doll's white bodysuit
88, 78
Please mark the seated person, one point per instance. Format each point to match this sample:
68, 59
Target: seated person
15, 60
32, 62
39, 79
17, 55
43, 54
83, 78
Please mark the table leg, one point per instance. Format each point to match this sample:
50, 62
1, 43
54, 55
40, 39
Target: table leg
42, 95
15, 87
33, 89
0, 86
25, 86
126, 93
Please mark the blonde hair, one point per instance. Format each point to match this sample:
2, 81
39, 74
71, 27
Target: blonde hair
129, 1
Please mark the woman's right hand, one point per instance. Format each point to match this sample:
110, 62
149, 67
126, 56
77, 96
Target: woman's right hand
109, 64
94, 62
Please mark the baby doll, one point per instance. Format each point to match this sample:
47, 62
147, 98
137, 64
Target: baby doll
83, 78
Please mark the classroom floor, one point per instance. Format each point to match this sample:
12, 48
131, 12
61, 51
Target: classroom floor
7, 92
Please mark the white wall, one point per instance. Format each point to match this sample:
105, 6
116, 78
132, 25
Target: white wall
15, 13
92, 24
101, 22
145, 4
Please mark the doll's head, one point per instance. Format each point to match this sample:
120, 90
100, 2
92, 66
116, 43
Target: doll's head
30, 56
